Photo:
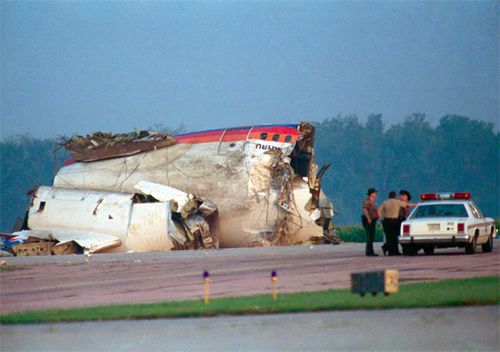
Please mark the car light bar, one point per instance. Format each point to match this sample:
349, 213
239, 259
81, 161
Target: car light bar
443, 196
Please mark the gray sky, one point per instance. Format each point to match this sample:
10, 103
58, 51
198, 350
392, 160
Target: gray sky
76, 67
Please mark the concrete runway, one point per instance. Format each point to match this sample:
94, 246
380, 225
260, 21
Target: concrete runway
70, 281
440, 329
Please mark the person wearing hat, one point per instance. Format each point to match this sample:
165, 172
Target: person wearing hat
369, 219
405, 196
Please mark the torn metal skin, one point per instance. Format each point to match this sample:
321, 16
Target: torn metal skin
74, 221
254, 186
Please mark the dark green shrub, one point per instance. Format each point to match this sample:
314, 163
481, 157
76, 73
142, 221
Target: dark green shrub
357, 233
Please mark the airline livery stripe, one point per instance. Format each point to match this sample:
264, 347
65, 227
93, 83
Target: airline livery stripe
233, 135
246, 128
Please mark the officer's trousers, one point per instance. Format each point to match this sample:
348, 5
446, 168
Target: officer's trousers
391, 229
370, 234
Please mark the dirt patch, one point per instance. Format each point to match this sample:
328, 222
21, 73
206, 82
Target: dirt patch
7, 268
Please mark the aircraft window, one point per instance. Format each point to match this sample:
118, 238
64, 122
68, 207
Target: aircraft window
276, 137
288, 138
263, 135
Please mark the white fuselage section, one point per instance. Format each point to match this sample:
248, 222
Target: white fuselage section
240, 178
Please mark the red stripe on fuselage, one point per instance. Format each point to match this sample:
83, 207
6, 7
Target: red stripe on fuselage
234, 135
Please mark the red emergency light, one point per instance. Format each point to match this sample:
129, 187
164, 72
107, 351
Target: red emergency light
443, 196
461, 195
429, 196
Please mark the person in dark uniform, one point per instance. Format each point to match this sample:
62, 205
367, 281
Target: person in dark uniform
404, 211
369, 219
405, 196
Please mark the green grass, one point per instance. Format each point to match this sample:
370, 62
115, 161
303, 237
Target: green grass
463, 292
356, 233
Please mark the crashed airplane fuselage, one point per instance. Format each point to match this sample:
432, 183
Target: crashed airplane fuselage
263, 180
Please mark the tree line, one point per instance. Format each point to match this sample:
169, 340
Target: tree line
458, 154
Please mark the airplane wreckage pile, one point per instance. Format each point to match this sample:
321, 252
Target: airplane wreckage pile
149, 191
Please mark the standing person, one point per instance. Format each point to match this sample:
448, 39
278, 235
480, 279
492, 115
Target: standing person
404, 211
405, 196
369, 219
390, 209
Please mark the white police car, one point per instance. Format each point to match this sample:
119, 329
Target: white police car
446, 220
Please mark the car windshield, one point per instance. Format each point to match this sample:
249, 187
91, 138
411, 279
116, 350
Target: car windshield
440, 211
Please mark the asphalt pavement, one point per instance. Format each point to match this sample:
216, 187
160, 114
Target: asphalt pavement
437, 329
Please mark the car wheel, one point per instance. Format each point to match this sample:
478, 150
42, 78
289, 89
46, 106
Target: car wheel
429, 250
488, 246
409, 249
470, 248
